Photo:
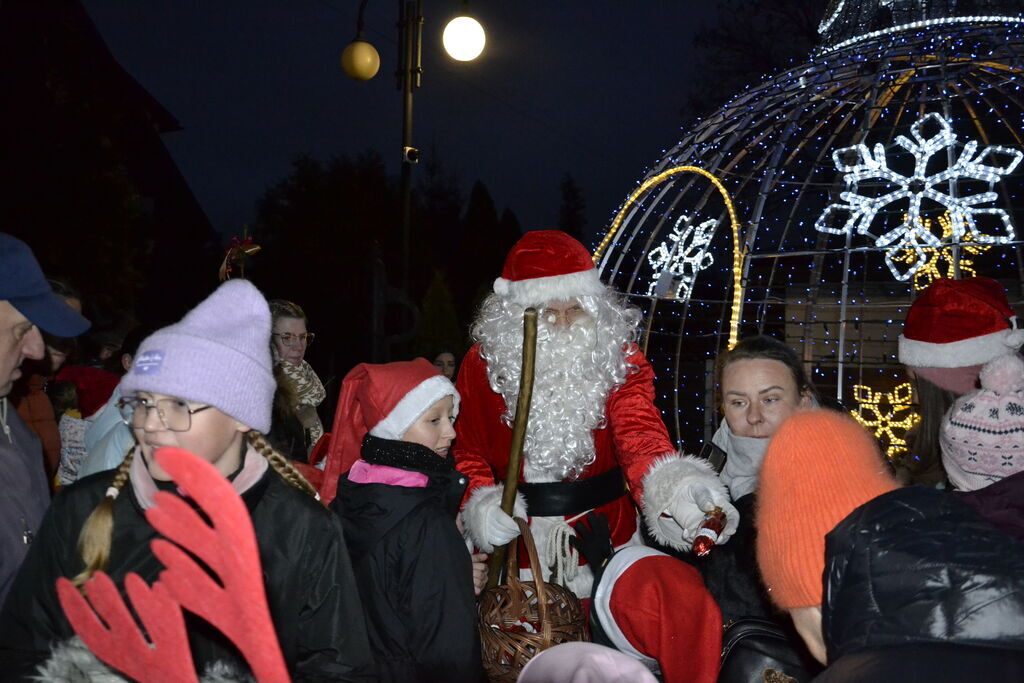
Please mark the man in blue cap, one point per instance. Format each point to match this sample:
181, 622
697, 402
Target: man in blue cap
27, 304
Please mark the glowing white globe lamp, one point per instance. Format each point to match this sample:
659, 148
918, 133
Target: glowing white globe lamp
464, 38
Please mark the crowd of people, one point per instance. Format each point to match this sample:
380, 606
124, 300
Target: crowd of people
374, 531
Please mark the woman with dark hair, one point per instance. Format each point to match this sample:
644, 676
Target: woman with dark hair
447, 363
300, 390
761, 382
922, 464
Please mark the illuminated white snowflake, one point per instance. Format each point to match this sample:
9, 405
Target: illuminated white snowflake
886, 187
677, 260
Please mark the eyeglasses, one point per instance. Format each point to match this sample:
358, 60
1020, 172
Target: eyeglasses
174, 414
289, 339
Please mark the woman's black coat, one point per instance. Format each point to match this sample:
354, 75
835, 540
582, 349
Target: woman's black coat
311, 591
413, 568
919, 587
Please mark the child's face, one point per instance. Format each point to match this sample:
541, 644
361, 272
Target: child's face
212, 435
434, 428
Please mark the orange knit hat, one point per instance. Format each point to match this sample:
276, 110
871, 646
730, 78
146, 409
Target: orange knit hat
820, 466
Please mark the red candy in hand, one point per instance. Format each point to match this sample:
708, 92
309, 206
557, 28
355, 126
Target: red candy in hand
707, 533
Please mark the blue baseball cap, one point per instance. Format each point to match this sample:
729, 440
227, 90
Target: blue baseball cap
23, 285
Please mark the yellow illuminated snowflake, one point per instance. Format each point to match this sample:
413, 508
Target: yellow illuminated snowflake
938, 261
890, 427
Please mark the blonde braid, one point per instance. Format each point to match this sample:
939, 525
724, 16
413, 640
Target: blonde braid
281, 464
97, 533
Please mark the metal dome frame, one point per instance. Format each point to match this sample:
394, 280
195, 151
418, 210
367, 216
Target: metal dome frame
772, 148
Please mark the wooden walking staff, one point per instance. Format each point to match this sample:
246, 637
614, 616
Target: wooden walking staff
515, 455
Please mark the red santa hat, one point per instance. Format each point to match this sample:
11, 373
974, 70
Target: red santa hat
547, 265
958, 324
637, 604
384, 401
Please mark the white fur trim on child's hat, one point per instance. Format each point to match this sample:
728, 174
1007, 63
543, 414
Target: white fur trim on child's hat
958, 354
413, 405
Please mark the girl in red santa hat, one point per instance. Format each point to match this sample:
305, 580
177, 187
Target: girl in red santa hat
953, 328
398, 501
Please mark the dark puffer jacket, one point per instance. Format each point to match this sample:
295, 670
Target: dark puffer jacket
310, 587
414, 571
919, 588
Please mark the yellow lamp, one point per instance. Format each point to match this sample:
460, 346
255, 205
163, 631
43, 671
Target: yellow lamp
360, 60
464, 38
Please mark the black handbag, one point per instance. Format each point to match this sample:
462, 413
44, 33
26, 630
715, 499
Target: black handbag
759, 651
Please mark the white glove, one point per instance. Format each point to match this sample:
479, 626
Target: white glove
486, 524
688, 509
678, 491
499, 528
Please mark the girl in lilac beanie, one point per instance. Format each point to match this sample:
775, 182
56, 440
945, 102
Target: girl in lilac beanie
205, 385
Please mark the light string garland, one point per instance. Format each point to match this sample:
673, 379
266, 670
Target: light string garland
860, 211
831, 16
676, 266
738, 254
926, 23
888, 426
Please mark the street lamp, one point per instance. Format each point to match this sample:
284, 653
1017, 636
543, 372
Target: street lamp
360, 60
463, 39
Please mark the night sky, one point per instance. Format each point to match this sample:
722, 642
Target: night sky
593, 88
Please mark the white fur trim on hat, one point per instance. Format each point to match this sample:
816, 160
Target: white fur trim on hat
602, 606
540, 290
667, 478
413, 404
959, 354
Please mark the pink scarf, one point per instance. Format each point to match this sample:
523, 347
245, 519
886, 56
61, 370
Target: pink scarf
253, 468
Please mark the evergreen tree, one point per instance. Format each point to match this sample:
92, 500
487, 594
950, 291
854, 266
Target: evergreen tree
750, 39
320, 228
437, 225
439, 324
481, 251
572, 212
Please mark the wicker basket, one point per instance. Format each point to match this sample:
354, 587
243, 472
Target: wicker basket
552, 609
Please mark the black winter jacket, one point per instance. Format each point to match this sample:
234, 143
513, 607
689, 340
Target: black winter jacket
918, 587
310, 587
412, 565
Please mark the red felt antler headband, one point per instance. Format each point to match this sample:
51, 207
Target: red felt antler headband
235, 602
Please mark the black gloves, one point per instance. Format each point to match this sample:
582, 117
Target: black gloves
594, 543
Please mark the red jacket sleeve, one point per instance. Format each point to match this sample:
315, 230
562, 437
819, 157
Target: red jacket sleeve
476, 425
637, 431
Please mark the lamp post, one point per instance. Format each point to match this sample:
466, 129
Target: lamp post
463, 39
410, 72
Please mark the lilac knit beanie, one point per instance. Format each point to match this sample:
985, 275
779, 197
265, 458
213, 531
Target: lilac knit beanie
982, 435
218, 354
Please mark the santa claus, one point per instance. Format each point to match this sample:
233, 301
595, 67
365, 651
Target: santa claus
594, 439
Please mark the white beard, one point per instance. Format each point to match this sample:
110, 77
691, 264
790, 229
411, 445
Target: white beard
575, 371
569, 396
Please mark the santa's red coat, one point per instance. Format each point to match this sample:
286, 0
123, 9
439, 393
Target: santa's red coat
633, 438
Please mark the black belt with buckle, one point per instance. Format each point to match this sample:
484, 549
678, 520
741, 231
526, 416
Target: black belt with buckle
569, 498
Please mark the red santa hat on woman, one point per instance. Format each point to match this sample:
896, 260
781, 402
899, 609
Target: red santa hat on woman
956, 326
547, 265
383, 401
